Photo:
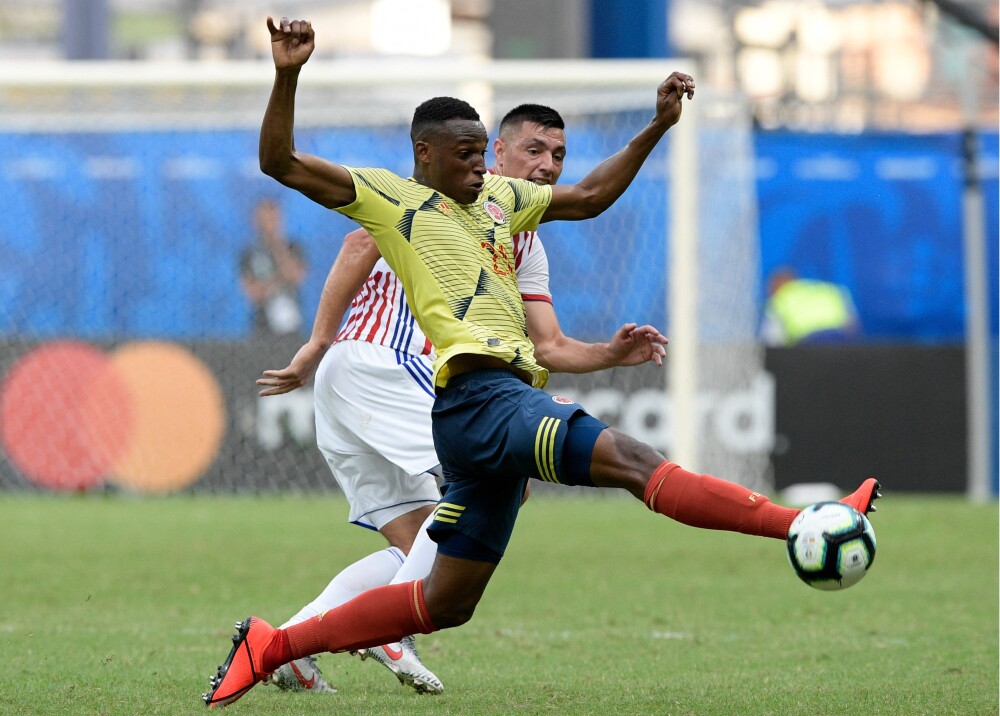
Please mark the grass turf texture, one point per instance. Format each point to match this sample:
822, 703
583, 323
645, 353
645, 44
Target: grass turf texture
119, 606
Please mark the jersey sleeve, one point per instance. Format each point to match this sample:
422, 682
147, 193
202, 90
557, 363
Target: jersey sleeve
377, 206
530, 202
533, 268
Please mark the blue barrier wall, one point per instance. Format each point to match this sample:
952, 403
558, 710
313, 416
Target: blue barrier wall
139, 234
880, 214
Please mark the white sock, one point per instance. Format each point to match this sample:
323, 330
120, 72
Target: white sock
372, 571
421, 557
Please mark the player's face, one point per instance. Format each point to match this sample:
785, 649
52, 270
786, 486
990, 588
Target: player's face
456, 161
533, 152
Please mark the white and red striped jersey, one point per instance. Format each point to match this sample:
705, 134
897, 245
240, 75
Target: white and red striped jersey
380, 315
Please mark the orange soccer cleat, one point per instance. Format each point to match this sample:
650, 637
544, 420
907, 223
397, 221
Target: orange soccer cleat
863, 499
241, 670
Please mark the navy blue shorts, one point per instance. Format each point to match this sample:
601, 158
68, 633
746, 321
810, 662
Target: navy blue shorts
492, 432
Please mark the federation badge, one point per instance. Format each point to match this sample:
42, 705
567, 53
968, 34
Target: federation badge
562, 401
495, 211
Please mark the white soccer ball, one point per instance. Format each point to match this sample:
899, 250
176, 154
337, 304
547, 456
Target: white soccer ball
831, 545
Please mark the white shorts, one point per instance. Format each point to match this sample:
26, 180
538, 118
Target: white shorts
373, 426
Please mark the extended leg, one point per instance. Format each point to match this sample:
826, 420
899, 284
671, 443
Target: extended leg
693, 499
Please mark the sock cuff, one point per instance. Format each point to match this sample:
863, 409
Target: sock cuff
656, 482
397, 553
418, 608
778, 521
304, 638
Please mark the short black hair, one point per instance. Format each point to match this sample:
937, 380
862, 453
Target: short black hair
433, 113
539, 114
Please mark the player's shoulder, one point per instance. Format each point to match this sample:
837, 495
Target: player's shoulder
499, 182
383, 181
388, 185
517, 194
373, 177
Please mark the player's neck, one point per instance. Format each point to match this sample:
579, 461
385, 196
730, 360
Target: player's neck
419, 177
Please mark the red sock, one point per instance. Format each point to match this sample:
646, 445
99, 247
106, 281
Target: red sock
714, 504
379, 616
279, 651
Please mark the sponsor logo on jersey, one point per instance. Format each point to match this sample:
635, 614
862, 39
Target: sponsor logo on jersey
495, 211
562, 401
444, 207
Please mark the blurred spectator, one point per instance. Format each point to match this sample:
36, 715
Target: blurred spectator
271, 272
802, 310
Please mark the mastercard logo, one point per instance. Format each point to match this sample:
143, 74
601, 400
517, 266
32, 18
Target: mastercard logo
148, 416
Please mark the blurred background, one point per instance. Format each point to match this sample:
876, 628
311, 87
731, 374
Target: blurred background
845, 240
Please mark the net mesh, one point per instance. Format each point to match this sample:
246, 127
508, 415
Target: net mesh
127, 349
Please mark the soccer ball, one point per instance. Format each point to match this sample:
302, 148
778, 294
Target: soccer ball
831, 545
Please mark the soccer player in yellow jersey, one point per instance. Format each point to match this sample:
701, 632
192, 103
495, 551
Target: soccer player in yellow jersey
373, 395
446, 233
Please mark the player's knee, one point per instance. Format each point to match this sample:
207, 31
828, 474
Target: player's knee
451, 600
634, 454
622, 461
451, 613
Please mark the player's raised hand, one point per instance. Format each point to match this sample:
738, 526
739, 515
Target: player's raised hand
297, 374
634, 345
669, 95
292, 41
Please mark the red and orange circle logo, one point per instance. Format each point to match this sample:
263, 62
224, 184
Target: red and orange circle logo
149, 416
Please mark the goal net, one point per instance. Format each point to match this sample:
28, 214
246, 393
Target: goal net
127, 192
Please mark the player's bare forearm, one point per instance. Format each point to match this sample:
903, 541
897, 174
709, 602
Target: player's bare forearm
568, 355
559, 353
600, 188
324, 182
354, 262
630, 346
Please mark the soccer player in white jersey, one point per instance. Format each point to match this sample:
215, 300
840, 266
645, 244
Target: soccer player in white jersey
373, 394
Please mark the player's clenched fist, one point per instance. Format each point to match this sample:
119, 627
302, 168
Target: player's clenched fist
292, 41
669, 95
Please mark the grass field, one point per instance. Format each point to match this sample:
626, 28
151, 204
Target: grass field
119, 606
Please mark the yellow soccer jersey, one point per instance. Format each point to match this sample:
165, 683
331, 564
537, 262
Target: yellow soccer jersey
456, 261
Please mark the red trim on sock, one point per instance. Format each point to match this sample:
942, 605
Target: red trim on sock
656, 482
419, 607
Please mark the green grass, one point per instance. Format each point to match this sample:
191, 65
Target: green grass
119, 606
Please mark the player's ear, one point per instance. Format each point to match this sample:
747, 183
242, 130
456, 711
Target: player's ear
498, 150
422, 151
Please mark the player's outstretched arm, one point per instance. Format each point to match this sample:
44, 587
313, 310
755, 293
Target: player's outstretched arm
326, 183
631, 344
609, 179
354, 262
